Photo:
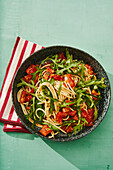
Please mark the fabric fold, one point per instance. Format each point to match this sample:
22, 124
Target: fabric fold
22, 49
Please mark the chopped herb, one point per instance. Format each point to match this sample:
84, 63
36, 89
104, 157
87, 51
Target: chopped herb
23, 83
59, 89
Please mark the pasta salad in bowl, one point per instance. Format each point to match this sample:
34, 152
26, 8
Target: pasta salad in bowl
61, 93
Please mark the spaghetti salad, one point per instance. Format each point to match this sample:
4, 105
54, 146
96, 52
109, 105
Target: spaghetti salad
60, 95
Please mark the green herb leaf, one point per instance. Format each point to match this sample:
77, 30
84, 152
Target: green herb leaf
95, 113
23, 83
74, 64
51, 106
60, 86
33, 104
64, 104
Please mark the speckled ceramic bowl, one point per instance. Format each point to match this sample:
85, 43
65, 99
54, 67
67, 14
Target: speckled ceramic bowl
37, 57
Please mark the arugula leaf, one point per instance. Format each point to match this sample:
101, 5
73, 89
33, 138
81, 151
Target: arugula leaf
23, 83
78, 127
33, 104
36, 72
95, 113
54, 100
98, 97
59, 89
79, 99
29, 92
51, 106
68, 122
84, 120
41, 115
79, 115
91, 100
74, 64
47, 58
56, 62
32, 82
51, 81
64, 104
82, 72
30, 114
93, 82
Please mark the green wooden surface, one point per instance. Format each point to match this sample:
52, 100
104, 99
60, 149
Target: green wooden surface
87, 25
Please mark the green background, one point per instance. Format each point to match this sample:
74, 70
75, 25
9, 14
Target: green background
85, 24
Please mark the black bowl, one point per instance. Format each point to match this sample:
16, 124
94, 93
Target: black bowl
37, 57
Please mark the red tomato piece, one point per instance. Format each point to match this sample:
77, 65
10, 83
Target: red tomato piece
64, 84
32, 91
45, 130
23, 96
22, 99
28, 98
31, 69
50, 70
91, 112
69, 129
56, 77
46, 75
23, 93
72, 113
88, 119
66, 109
28, 78
89, 124
64, 114
59, 117
88, 67
90, 72
89, 115
28, 107
68, 79
63, 128
67, 76
61, 56
75, 117
84, 113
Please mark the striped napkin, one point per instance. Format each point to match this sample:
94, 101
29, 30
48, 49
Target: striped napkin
22, 49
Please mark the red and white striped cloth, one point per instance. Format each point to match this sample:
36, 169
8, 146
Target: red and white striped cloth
22, 49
